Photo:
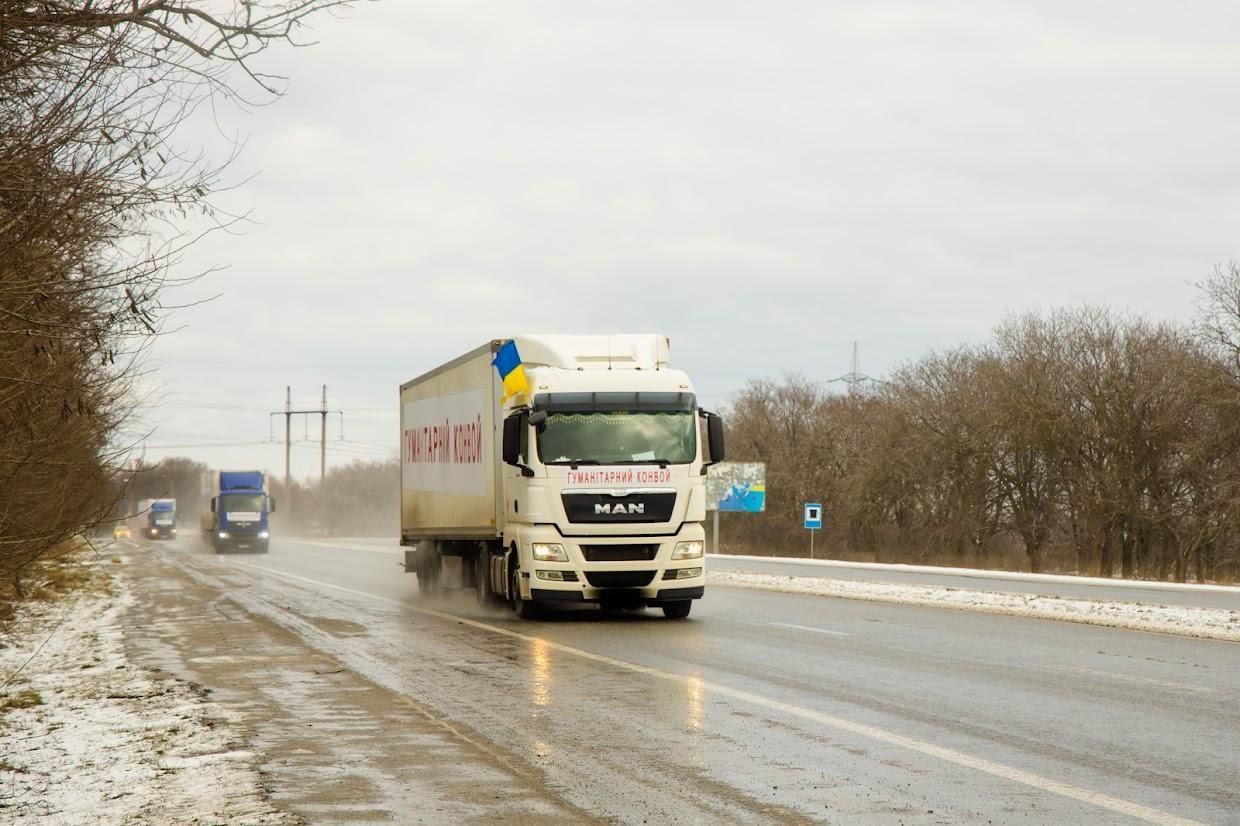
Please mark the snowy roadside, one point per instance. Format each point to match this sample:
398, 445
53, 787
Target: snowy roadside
86, 737
1193, 622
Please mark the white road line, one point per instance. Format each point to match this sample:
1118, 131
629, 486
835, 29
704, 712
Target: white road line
1036, 781
343, 547
808, 628
1132, 678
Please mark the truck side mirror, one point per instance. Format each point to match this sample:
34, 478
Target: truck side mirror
271, 504
714, 437
212, 504
514, 429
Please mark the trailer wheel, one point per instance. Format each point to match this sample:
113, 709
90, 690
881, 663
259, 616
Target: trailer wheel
678, 609
428, 570
482, 578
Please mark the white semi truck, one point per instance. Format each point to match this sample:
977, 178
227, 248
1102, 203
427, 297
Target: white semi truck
588, 488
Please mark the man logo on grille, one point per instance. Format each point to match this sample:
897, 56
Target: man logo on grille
607, 508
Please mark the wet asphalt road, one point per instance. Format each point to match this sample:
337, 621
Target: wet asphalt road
766, 707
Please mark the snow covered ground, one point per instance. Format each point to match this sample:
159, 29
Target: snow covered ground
1193, 622
86, 738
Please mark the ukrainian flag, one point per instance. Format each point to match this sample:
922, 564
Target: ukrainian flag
511, 371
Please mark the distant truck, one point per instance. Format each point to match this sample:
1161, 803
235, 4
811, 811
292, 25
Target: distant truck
238, 512
159, 518
588, 488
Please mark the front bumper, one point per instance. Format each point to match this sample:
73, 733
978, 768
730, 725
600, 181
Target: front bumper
597, 572
242, 539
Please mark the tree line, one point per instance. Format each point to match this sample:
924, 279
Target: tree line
1079, 440
98, 201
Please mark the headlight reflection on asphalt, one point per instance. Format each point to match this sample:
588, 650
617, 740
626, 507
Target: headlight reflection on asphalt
694, 703
541, 656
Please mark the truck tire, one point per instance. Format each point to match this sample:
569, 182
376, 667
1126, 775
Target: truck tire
525, 608
482, 578
428, 570
678, 609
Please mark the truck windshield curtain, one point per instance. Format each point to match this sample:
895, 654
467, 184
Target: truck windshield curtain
617, 428
616, 402
247, 502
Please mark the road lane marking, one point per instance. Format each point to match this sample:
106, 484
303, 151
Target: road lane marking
340, 546
959, 758
809, 628
1133, 678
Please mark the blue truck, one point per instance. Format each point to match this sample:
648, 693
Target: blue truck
159, 518
240, 508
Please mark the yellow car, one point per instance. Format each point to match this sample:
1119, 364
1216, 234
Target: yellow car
120, 532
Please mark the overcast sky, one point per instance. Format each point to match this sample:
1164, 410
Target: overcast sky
765, 183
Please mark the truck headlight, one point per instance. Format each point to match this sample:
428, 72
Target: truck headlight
688, 550
263, 535
223, 534
548, 552
688, 573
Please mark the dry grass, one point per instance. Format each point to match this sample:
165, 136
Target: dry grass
70, 567
25, 698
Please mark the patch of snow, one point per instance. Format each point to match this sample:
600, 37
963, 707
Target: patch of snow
1209, 623
110, 743
983, 573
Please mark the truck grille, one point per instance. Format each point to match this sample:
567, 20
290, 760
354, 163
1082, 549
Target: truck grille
619, 553
619, 579
603, 507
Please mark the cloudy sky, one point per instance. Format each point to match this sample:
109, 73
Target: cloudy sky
763, 182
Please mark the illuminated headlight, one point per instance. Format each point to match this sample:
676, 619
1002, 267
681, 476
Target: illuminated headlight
263, 534
688, 550
223, 534
688, 573
548, 552
558, 576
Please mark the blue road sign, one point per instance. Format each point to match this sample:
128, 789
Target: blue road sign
813, 516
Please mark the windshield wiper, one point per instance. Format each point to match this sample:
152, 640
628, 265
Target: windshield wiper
662, 463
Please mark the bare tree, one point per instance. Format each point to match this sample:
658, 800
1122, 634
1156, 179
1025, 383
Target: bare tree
1218, 312
96, 201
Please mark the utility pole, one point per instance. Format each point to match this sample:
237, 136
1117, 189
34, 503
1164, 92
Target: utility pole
288, 443
288, 413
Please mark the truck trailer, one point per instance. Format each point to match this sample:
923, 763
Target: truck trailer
584, 484
239, 510
159, 518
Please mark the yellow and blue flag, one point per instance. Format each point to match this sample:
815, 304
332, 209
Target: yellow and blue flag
508, 362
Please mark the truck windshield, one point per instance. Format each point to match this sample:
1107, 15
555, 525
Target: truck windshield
243, 502
617, 428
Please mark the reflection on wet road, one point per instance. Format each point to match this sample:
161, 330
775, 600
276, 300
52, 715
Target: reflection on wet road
780, 708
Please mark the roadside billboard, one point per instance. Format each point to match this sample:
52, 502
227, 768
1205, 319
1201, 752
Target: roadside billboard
738, 487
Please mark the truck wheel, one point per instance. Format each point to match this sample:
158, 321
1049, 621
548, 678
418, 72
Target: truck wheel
678, 609
525, 608
428, 571
482, 579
